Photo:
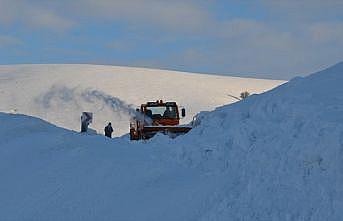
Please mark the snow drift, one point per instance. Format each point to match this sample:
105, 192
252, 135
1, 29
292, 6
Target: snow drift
274, 156
49, 173
282, 151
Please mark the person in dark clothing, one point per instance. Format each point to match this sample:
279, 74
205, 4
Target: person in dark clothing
84, 124
108, 130
83, 127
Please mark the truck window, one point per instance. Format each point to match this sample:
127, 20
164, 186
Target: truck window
162, 112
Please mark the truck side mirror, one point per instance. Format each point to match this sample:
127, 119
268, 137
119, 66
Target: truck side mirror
183, 112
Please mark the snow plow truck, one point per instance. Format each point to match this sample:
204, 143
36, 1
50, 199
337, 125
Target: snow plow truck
157, 117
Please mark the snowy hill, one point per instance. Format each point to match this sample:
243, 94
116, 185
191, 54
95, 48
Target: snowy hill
274, 156
59, 93
282, 151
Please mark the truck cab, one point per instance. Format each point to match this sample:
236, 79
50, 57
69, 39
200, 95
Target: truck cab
162, 113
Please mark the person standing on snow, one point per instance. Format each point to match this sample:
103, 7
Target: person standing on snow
84, 124
108, 130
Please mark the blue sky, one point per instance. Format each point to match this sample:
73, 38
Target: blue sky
266, 38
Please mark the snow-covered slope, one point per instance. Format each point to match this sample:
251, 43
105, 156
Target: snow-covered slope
59, 93
274, 156
49, 173
282, 151
52, 174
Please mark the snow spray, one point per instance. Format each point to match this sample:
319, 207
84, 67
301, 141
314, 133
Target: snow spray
76, 98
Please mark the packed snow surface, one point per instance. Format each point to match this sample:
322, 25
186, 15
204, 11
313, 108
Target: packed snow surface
274, 156
59, 93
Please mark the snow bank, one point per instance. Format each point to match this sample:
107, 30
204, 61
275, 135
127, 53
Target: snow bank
282, 151
49, 173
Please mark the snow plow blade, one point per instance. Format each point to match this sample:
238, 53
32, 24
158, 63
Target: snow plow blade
167, 128
172, 131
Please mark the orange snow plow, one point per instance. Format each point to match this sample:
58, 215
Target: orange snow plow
157, 117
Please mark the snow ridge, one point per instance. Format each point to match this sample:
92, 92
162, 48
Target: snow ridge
282, 149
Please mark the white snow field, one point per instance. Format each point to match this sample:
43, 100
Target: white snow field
274, 156
59, 93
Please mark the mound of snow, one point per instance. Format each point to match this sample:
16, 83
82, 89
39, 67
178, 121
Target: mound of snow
59, 93
49, 173
282, 151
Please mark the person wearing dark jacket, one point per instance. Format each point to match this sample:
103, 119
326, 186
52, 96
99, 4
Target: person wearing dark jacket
108, 130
